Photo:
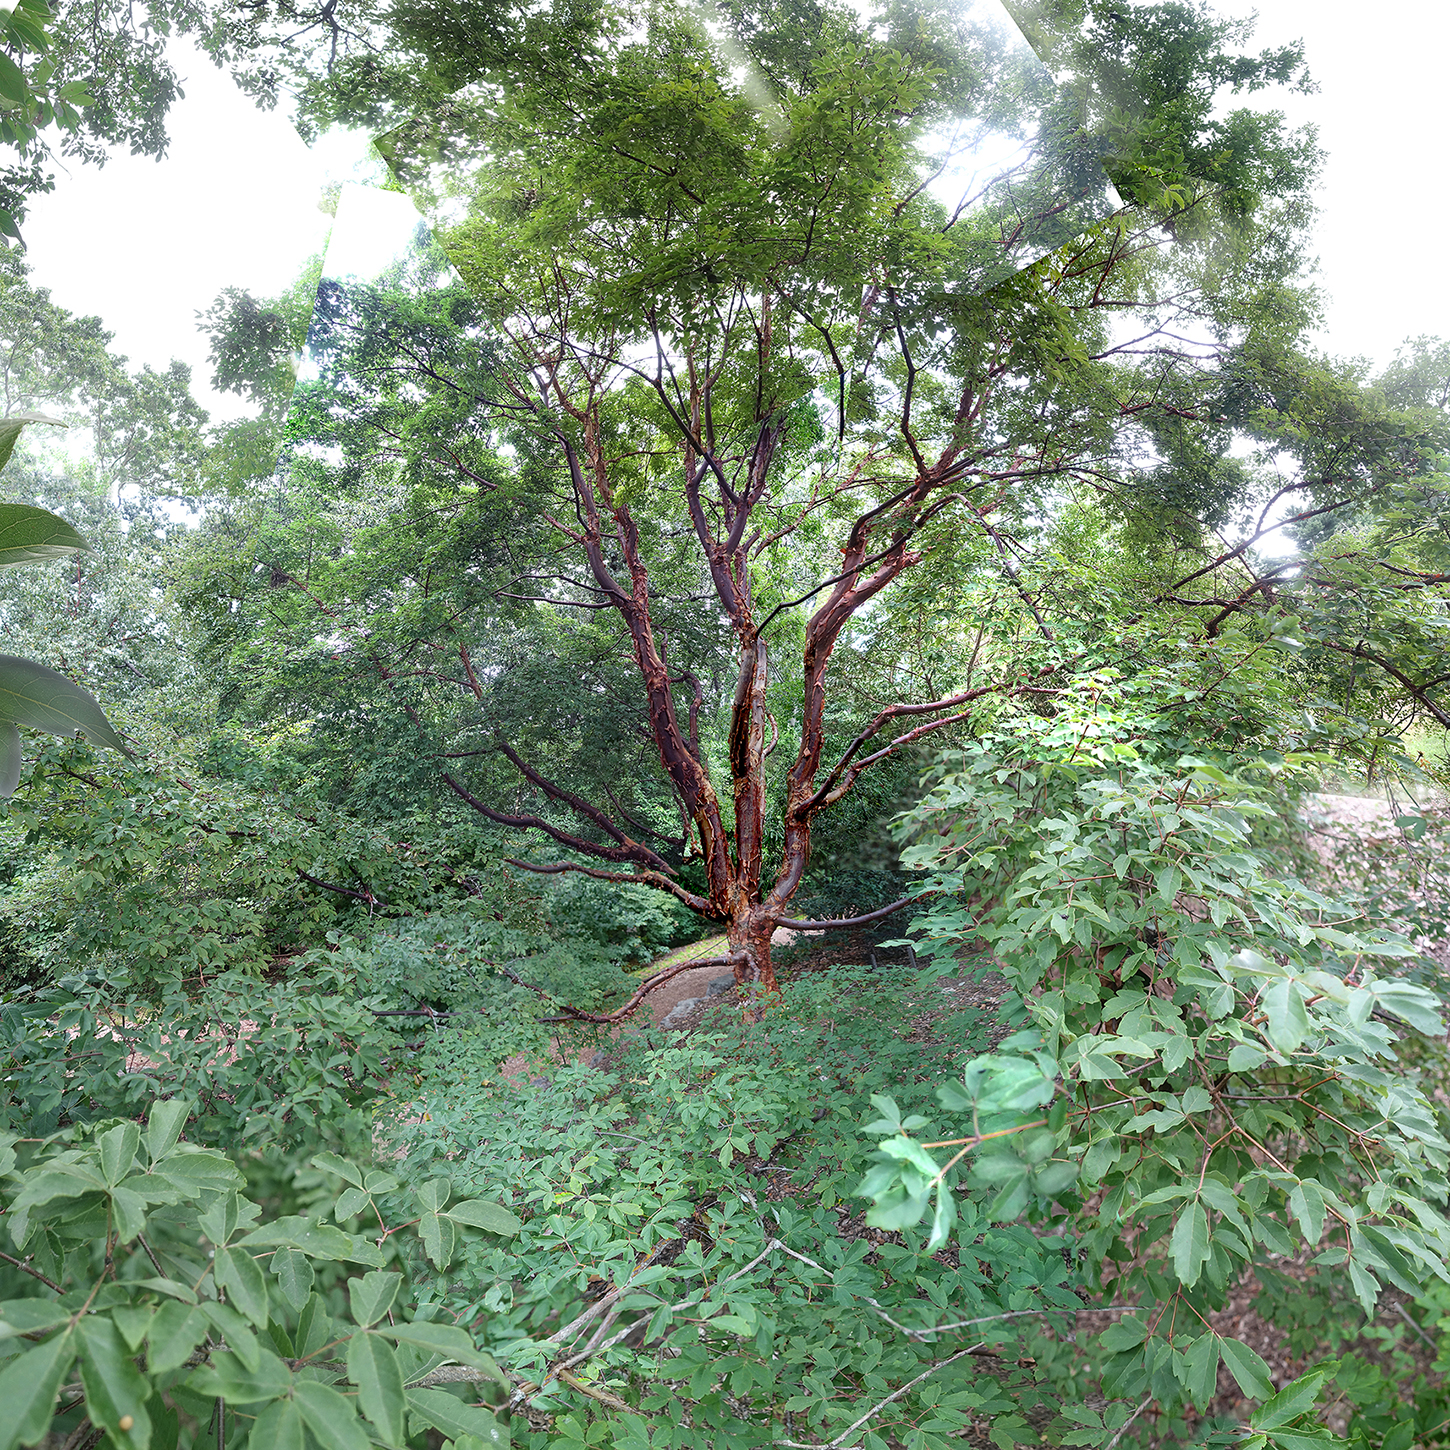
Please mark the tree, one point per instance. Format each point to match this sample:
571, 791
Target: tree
754, 325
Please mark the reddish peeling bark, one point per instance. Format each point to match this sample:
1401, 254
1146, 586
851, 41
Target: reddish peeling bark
734, 513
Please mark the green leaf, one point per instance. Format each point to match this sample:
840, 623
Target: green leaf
373, 1368
114, 1387
1306, 1203
447, 1340
434, 1194
219, 1222
118, 1151
12, 757
1128, 1333
133, 1322
372, 1296
1295, 1399
1288, 1019
29, 1316
163, 1126
1189, 1244
175, 1331
1250, 1372
1201, 1369
241, 1276
14, 89
294, 1276
331, 1417
451, 1416
199, 1169
1366, 1286
235, 1331
33, 535
130, 1214
32, 695
1414, 1004
438, 1237
28, 1388
345, 1170
479, 1213
279, 1427
229, 1378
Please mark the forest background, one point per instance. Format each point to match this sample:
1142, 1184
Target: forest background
717, 528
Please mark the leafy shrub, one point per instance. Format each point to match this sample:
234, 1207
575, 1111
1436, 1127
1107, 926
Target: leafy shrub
286, 1066
690, 1271
629, 924
158, 1304
1210, 1080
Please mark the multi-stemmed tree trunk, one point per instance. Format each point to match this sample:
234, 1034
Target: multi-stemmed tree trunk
739, 303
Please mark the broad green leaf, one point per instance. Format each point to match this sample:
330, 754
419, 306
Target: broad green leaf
451, 1416
349, 1202
133, 1322
32, 695
331, 1417
447, 1340
1414, 1004
434, 1194
236, 1271
219, 1222
115, 1388
279, 1427
12, 87
33, 535
199, 1168
1295, 1399
30, 1316
129, 1211
1288, 1020
294, 1276
373, 1368
163, 1126
118, 1148
1128, 1333
1201, 1369
1306, 1203
175, 1331
12, 757
28, 1387
479, 1213
1249, 1371
229, 1378
345, 1170
1189, 1244
14, 90
235, 1331
165, 1423
438, 1236
372, 1296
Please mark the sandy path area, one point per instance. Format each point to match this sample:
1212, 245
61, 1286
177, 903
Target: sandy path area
659, 1005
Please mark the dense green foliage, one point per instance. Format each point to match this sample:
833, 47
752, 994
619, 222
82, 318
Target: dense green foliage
717, 522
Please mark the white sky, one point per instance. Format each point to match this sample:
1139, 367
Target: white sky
146, 245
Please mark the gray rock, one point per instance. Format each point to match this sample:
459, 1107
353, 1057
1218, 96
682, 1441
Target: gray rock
718, 985
681, 1010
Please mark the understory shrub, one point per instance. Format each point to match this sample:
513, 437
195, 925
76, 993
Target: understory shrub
692, 1269
1213, 1078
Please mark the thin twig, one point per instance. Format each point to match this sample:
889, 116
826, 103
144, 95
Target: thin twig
24, 1267
1123, 1428
877, 1408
